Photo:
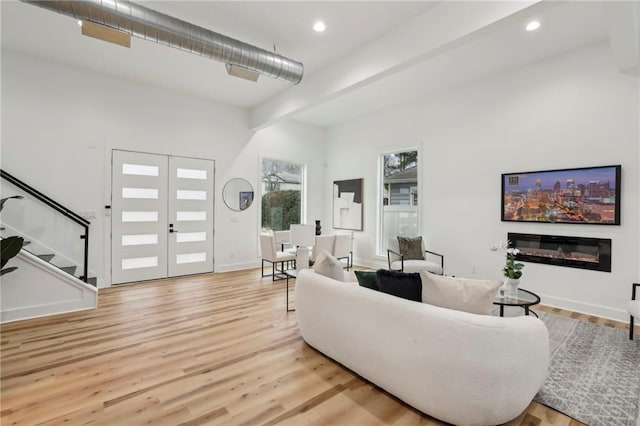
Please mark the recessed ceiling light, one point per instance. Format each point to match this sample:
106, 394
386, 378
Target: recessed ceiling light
79, 23
319, 26
533, 25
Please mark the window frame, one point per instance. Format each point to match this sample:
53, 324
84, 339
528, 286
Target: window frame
303, 187
380, 238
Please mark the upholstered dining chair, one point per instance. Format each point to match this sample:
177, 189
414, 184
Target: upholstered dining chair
322, 242
283, 238
272, 255
342, 248
302, 237
633, 308
403, 262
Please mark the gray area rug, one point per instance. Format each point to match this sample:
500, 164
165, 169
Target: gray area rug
594, 373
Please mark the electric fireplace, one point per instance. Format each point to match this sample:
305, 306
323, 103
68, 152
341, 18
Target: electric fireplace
573, 252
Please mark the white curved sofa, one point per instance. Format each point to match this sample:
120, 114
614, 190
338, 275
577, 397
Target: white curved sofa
462, 368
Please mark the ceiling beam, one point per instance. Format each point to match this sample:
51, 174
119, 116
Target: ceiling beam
441, 27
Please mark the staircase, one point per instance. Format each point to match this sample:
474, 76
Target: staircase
52, 232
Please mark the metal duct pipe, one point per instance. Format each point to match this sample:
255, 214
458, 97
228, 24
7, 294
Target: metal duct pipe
148, 24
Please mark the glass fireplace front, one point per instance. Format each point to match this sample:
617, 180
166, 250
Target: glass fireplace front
573, 252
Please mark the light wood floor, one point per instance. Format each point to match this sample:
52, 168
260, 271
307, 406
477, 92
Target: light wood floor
212, 349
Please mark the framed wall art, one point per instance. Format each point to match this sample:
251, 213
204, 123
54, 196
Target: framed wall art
588, 195
347, 204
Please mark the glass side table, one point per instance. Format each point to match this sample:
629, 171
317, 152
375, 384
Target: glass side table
525, 299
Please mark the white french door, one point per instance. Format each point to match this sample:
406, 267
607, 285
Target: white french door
190, 247
162, 216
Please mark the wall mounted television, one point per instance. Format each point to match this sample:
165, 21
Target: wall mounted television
587, 195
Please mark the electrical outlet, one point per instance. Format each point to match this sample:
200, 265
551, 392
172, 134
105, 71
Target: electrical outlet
474, 270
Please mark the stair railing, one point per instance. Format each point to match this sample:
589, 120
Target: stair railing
35, 194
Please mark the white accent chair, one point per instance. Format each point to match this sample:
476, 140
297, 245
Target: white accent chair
342, 248
283, 238
398, 263
633, 308
322, 243
302, 237
272, 255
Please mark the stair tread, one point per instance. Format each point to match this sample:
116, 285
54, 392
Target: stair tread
46, 257
69, 269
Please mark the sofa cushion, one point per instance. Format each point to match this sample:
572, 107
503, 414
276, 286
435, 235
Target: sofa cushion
367, 279
462, 294
328, 266
407, 286
411, 248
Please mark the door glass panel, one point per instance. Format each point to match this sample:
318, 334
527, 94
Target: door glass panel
191, 195
192, 174
139, 170
191, 257
140, 239
191, 216
189, 237
140, 262
139, 216
148, 193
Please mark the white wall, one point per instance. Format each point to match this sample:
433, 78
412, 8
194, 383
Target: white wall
570, 111
60, 124
290, 141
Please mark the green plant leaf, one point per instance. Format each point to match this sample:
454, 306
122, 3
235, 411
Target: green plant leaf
9, 247
4, 200
7, 270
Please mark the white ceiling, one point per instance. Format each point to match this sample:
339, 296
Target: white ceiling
288, 25
357, 32
504, 47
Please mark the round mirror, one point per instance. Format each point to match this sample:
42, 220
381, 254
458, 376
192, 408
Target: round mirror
237, 194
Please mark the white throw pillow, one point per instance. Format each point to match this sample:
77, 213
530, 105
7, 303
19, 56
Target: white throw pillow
461, 294
328, 266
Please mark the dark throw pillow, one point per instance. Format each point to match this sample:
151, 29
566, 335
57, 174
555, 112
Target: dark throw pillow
400, 284
367, 279
411, 248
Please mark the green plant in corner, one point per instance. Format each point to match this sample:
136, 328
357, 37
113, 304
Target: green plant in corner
10, 246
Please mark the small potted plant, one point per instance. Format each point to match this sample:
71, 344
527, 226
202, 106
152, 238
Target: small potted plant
512, 270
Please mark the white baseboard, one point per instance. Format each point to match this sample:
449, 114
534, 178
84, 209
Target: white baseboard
585, 308
31, 312
230, 267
